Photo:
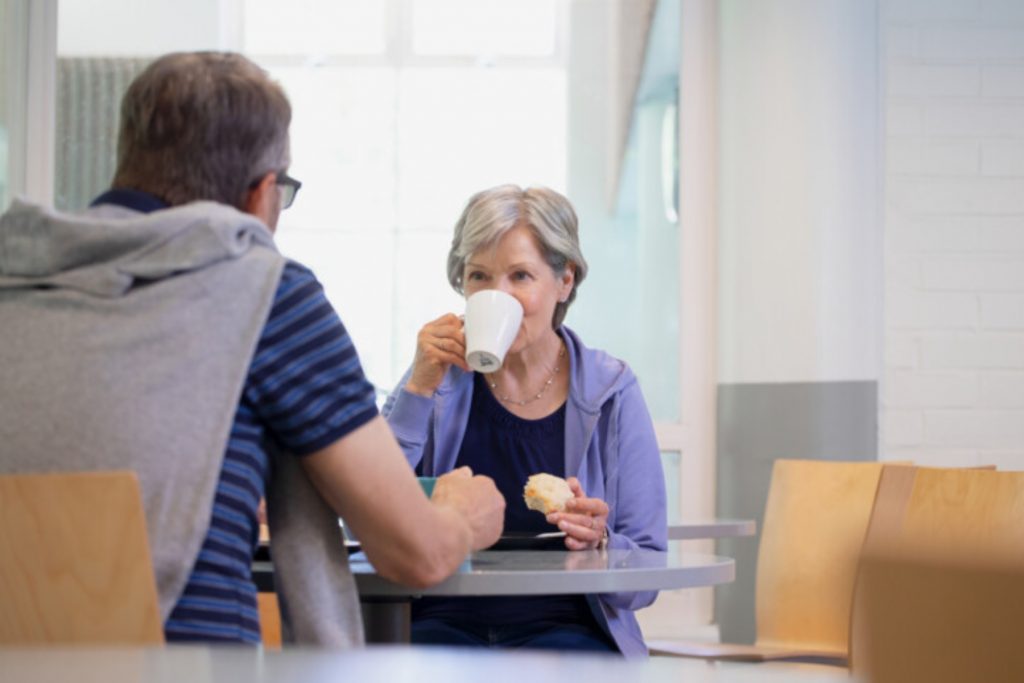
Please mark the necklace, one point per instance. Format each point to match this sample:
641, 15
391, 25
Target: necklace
528, 401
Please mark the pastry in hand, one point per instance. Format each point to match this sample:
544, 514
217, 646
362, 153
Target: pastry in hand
546, 493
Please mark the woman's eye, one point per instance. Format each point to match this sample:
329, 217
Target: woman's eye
520, 275
475, 275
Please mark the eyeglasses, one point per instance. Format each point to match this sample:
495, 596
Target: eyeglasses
289, 188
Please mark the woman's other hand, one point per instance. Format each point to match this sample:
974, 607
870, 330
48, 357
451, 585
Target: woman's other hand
584, 520
439, 345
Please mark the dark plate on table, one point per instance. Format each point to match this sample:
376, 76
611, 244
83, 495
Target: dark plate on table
527, 540
262, 553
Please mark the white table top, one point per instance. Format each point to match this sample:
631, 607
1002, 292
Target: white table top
555, 572
713, 528
200, 664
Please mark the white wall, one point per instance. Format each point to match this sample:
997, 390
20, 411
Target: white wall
799, 233
953, 386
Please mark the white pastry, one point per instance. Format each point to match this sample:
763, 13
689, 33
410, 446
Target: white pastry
546, 493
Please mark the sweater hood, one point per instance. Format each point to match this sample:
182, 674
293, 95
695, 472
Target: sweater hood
105, 251
596, 375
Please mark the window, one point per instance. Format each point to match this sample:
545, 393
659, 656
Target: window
5, 168
402, 111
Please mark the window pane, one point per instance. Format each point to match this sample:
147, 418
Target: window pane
670, 464
422, 292
484, 27
465, 129
343, 147
630, 302
314, 27
654, 354
355, 270
4, 123
110, 28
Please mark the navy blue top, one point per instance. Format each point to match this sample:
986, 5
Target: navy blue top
304, 390
509, 449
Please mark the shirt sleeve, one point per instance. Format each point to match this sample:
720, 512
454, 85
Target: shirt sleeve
306, 383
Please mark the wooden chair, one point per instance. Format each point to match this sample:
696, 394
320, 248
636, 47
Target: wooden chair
270, 620
815, 522
75, 566
976, 512
972, 508
941, 617
266, 601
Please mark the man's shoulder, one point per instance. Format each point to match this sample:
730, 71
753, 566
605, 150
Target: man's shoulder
297, 272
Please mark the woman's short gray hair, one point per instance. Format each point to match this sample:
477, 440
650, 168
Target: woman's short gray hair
549, 216
201, 125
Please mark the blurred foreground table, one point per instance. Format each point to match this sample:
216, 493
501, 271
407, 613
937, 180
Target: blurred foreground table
207, 664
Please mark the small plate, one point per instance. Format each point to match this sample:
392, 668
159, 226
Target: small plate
527, 540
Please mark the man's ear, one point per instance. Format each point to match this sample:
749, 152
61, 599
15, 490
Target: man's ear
259, 200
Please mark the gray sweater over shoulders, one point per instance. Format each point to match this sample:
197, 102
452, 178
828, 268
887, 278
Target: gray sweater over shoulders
125, 339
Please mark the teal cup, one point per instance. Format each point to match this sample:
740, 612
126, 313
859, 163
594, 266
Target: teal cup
428, 484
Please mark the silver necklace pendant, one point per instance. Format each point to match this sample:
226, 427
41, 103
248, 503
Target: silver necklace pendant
543, 389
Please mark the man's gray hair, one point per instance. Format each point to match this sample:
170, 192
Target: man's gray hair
201, 125
548, 215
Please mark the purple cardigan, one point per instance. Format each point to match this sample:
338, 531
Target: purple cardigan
609, 446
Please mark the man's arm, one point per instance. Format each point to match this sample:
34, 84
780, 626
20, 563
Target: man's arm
409, 539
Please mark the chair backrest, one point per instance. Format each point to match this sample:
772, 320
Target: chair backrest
815, 522
941, 618
923, 510
894, 489
971, 508
74, 561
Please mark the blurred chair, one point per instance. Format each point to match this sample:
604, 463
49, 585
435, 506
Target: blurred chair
266, 600
815, 522
270, 620
976, 508
941, 617
975, 512
75, 566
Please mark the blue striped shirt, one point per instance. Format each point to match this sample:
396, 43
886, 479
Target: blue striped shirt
305, 390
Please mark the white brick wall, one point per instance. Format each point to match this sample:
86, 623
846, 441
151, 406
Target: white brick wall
953, 382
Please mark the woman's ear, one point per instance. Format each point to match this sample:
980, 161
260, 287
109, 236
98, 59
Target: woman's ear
567, 280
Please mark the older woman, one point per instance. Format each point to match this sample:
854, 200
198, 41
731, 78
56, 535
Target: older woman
554, 406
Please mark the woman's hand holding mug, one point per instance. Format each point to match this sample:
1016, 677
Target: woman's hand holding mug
439, 345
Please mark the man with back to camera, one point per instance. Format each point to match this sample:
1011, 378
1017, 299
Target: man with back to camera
161, 331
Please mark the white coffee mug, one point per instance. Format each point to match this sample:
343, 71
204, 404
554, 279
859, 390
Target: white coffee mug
492, 322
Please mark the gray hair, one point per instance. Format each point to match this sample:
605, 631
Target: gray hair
549, 216
201, 125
